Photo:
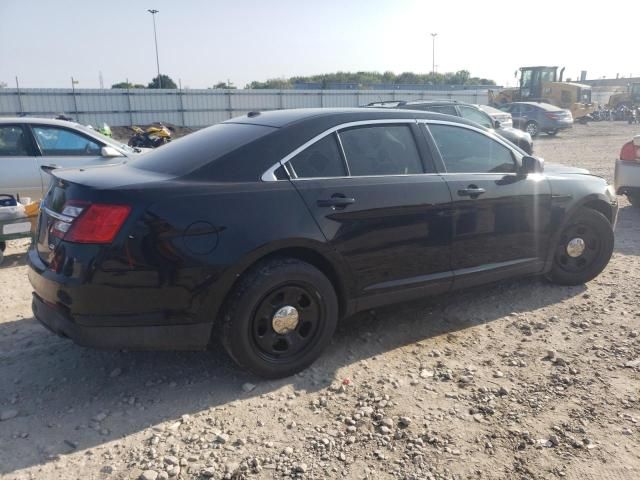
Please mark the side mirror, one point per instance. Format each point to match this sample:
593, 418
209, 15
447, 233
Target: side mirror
532, 165
110, 152
496, 124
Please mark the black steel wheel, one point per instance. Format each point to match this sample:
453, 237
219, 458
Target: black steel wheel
583, 249
279, 318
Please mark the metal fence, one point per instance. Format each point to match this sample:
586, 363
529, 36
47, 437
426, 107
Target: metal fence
194, 108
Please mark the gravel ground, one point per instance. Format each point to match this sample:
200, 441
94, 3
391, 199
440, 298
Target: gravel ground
520, 380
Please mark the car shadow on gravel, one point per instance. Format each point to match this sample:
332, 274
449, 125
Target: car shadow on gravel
14, 260
627, 232
70, 398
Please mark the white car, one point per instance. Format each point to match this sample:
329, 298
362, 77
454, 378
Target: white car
505, 118
28, 144
627, 176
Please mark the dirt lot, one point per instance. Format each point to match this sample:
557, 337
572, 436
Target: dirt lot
521, 380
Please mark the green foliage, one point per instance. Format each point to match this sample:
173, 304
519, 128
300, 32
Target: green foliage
225, 85
127, 85
277, 83
370, 79
167, 82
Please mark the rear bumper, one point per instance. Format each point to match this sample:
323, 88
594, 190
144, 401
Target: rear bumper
154, 329
627, 177
148, 337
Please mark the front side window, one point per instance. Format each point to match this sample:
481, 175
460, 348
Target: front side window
55, 141
13, 142
477, 116
466, 151
381, 150
320, 160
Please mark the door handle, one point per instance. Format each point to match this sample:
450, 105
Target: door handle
471, 191
336, 200
48, 168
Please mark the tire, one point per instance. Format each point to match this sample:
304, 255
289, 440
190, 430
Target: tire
532, 128
634, 199
596, 233
248, 327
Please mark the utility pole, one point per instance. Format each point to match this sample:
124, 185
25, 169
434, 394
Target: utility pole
433, 55
155, 37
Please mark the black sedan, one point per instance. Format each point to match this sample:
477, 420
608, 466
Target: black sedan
265, 230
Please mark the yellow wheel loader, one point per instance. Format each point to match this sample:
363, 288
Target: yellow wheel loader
542, 84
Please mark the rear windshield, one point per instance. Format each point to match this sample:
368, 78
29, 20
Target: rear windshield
189, 153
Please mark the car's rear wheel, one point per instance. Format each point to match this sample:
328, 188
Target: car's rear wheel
634, 199
532, 128
279, 318
584, 248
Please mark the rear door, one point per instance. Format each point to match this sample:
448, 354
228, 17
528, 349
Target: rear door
501, 217
19, 172
64, 147
381, 206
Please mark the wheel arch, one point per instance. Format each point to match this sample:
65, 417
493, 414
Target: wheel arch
314, 253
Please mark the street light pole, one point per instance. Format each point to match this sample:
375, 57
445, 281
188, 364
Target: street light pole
155, 37
433, 55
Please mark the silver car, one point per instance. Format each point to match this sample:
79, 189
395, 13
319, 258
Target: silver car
505, 118
27, 144
627, 173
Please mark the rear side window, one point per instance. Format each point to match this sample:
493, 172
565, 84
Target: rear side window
381, 150
198, 149
320, 160
13, 142
466, 151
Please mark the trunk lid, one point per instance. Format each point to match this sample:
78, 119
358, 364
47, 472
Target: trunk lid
84, 187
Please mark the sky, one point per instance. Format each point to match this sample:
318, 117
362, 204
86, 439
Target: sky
46, 42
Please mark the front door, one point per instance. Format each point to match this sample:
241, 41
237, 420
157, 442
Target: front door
501, 217
387, 219
63, 147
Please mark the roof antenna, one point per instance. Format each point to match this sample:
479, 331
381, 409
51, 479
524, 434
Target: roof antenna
253, 114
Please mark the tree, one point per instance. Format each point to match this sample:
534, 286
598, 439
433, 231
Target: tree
3, 84
167, 82
127, 85
273, 83
228, 86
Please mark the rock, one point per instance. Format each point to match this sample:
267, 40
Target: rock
171, 460
108, 469
426, 373
387, 422
149, 475
503, 391
222, 438
208, 472
116, 372
288, 451
247, 387
99, 417
633, 363
551, 354
300, 468
498, 374
8, 415
627, 431
173, 470
385, 430
554, 440
404, 421
163, 476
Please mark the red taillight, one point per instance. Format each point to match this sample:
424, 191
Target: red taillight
629, 152
95, 223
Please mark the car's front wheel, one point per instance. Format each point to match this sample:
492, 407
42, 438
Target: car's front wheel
279, 318
532, 128
584, 248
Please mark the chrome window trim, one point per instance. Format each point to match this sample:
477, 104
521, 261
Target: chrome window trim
270, 176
